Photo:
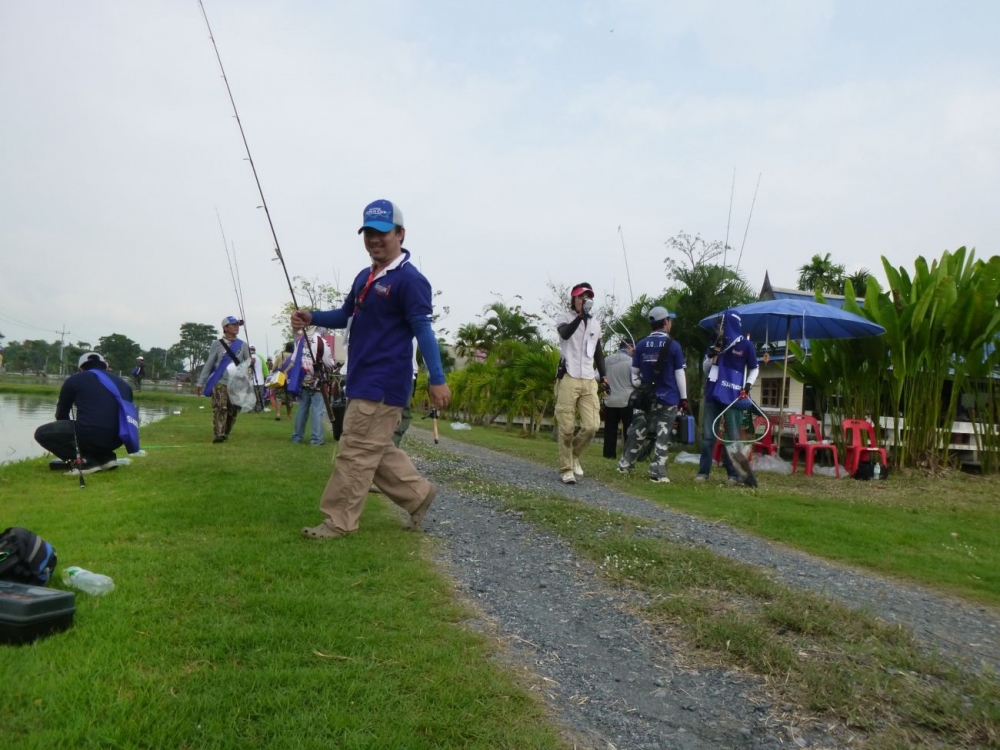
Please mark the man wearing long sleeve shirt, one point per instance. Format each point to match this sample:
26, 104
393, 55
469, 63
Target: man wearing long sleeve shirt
669, 394
390, 304
582, 362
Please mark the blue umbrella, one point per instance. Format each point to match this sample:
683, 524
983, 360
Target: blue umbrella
800, 319
786, 319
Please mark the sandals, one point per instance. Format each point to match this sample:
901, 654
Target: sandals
323, 532
417, 517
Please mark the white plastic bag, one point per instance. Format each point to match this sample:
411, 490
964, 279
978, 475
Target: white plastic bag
460, 426
241, 389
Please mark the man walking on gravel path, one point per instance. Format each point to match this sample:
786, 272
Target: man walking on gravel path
388, 306
576, 389
658, 362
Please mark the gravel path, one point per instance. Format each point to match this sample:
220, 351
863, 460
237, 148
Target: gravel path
609, 676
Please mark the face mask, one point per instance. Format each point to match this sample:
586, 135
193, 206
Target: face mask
588, 305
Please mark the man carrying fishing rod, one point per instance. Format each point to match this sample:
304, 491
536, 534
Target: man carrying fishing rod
657, 365
731, 366
224, 356
390, 304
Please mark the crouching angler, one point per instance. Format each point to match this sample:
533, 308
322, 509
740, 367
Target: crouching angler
99, 399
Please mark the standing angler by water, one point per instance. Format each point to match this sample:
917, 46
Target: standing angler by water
388, 306
96, 427
139, 372
224, 356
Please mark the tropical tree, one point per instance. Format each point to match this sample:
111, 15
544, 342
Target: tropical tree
196, 338
119, 350
942, 326
311, 295
858, 281
822, 275
501, 322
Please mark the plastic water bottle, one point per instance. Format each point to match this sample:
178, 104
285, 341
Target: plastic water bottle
89, 583
877, 471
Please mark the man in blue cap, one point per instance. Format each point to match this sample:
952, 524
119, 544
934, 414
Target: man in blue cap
224, 356
389, 305
730, 367
658, 362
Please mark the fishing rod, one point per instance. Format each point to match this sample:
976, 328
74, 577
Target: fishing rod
749, 216
627, 274
729, 219
317, 366
238, 291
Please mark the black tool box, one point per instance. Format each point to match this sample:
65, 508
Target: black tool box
29, 612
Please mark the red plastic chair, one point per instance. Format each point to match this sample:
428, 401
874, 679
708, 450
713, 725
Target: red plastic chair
802, 444
856, 448
766, 445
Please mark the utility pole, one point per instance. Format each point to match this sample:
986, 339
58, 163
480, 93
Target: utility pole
62, 350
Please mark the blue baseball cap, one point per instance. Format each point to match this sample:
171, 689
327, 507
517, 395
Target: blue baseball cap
230, 320
382, 216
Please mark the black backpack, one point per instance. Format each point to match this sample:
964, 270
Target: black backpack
25, 557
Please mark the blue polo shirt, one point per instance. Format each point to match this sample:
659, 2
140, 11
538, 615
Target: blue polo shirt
647, 351
380, 342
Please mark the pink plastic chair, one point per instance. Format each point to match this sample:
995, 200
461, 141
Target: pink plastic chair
802, 444
858, 449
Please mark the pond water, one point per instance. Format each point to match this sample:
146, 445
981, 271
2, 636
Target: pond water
21, 415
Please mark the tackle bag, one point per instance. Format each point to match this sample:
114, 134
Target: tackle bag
866, 471
276, 380
641, 398
25, 557
128, 415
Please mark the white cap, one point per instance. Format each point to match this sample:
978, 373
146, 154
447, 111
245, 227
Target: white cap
91, 358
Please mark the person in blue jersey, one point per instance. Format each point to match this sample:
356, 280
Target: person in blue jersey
95, 428
730, 365
224, 356
669, 394
389, 304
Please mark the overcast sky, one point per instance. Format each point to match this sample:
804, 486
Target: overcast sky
516, 137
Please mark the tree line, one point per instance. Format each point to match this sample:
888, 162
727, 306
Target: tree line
40, 357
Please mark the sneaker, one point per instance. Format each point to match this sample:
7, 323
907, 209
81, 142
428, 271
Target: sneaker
661, 480
568, 478
625, 469
57, 464
90, 466
735, 480
700, 478
219, 439
577, 469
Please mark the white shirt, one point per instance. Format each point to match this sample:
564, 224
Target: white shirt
578, 350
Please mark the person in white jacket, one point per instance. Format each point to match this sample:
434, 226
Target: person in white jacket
576, 391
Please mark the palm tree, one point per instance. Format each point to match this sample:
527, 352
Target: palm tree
859, 282
505, 323
823, 275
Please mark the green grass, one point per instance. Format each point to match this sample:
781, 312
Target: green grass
939, 530
228, 630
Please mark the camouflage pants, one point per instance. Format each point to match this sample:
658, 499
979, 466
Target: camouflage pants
659, 419
224, 412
